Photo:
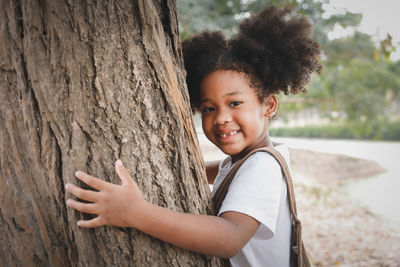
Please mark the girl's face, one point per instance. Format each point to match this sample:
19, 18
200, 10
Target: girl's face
233, 117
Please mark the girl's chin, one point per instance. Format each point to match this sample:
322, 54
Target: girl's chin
231, 151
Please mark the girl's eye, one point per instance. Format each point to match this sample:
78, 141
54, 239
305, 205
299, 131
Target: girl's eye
235, 103
207, 109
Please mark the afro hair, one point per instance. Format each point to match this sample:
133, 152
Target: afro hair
274, 48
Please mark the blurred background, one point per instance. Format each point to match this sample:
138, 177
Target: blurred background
343, 133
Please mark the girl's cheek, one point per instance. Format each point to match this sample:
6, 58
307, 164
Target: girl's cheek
205, 121
207, 127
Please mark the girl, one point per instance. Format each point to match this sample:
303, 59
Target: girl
233, 84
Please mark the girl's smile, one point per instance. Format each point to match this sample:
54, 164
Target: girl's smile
233, 117
228, 135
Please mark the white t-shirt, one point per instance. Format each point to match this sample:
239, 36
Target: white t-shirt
259, 191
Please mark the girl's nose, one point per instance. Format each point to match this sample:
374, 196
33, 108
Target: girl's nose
223, 117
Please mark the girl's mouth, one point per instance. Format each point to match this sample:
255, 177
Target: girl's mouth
228, 137
224, 135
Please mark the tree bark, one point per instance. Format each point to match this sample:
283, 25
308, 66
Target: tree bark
81, 85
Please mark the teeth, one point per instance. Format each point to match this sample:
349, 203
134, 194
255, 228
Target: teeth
226, 135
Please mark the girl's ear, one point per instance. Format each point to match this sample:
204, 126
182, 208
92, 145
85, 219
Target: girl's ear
271, 105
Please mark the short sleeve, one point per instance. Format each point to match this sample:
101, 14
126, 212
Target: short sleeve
256, 191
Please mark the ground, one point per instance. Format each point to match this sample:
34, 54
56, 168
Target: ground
336, 231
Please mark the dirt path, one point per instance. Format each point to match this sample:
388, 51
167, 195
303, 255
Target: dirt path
338, 232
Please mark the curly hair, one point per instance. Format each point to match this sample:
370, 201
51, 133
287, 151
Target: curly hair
274, 48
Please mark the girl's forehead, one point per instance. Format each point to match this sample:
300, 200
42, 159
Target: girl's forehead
224, 83
225, 79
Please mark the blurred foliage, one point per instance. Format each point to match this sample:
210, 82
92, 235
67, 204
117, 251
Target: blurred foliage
375, 130
225, 15
359, 83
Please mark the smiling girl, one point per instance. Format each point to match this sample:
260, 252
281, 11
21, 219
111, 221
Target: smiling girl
233, 84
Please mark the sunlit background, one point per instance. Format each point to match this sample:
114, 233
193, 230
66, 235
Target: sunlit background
344, 133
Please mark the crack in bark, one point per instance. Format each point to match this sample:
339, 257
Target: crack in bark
20, 25
166, 23
38, 120
19, 18
17, 226
122, 40
91, 55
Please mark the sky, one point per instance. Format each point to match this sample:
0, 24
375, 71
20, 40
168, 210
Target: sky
379, 18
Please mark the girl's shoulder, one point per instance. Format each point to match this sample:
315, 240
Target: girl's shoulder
257, 162
262, 164
265, 157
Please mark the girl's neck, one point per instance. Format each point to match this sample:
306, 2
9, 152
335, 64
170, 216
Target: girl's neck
265, 142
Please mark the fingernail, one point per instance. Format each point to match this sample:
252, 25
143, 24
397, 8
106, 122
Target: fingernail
77, 173
68, 202
79, 223
67, 186
119, 163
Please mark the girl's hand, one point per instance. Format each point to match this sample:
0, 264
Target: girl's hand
114, 204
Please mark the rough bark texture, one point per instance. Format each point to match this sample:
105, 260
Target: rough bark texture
81, 85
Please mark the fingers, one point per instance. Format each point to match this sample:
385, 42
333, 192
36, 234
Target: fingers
90, 223
88, 195
90, 180
105, 201
122, 172
83, 207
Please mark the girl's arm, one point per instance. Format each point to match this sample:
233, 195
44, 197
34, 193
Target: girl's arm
212, 168
123, 205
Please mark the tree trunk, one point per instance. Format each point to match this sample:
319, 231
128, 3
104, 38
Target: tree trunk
81, 85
